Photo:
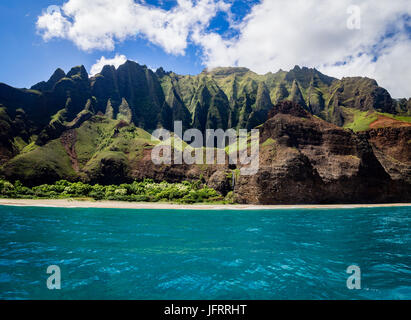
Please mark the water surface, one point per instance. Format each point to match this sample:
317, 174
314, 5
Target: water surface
160, 254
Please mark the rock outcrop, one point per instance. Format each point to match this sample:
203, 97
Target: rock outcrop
307, 160
95, 129
392, 146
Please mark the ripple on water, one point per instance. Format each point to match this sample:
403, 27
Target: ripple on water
289, 254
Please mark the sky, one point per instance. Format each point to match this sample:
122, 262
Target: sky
340, 38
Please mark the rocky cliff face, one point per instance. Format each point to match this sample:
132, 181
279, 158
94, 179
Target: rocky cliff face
94, 129
131, 89
303, 160
392, 147
135, 85
221, 98
307, 160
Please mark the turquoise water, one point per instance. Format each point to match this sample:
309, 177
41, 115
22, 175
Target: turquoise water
157, 254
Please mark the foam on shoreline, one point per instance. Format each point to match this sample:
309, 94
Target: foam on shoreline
68, 203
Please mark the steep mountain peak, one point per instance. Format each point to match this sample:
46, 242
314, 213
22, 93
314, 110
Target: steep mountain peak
361, 80
57, 75
227, 97
226, 71
160, 72
296, 94
79, 71
362, 93
107, 69
304, 69
49, 85
305, 76
131, 66
111, 69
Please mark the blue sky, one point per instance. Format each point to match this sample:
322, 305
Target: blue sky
186, 36
26, 59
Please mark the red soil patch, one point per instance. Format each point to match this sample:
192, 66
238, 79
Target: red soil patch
68, 139
383, 122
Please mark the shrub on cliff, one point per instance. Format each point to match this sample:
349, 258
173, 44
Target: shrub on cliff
147, 191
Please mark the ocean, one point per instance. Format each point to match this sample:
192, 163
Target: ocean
221, 254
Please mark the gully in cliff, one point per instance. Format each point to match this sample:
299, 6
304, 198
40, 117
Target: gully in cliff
170, 150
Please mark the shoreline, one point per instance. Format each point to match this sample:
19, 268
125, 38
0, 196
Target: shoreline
69, 203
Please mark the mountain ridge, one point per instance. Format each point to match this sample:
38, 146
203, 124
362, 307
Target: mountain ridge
162, 92
97, 129
231, 97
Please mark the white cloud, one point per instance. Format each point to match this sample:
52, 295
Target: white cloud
53, 25
276, 34
117, 61
392, 70
99, 24
282, 33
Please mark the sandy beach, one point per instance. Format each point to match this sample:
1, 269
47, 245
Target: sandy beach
69, 203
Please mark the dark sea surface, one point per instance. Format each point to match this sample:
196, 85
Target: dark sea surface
172, 254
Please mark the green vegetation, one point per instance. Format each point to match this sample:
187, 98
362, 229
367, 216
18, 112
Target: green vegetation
395, 117
30, 147
176, 143
361, 120
19, 143
90, 129
240, 145
270, 146
59, 116
269, 143
50, 161
145, 191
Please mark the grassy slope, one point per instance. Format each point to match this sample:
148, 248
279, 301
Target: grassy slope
102, 139
92, 136
399, 118
96, 139
99, 139
361, 120
51, 158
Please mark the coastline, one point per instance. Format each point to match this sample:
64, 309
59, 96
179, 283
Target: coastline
69, 203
